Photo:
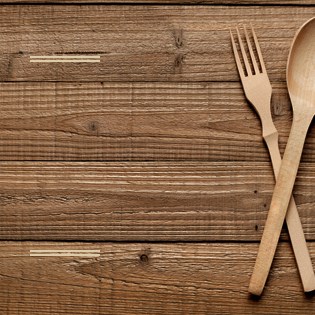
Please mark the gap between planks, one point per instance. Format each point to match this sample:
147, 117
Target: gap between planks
168, 2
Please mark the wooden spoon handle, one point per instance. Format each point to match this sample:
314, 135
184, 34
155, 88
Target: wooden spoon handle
302, 256
279, 203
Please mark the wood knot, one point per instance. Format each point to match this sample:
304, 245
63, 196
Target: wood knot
178, 63
279, 100
93, 126
277, 109
144, 258
178, 36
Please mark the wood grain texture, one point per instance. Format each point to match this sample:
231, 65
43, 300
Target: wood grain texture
147, 278
196, 2
137, 122
143, 201
203, 173
141, 43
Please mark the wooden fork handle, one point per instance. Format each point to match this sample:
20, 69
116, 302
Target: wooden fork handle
279, 203
302, 256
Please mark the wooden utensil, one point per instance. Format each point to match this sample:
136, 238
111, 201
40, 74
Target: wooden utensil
258, 91
301, 86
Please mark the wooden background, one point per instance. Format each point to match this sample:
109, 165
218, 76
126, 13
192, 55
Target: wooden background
152, 156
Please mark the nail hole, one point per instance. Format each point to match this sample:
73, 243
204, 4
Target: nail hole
144, 258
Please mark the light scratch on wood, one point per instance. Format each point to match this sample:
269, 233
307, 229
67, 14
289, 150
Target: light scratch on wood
65, 252
62, 58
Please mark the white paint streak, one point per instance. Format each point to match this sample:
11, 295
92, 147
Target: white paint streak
67, 58
65, 252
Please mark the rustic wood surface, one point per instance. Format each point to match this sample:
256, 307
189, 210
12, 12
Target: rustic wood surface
141, 43
137, 122
152, 146
147, 279
195, 2
143, 201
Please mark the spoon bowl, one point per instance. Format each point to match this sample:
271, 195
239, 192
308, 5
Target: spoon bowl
301, 66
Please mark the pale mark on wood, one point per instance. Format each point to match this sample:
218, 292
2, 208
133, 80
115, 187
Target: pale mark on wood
65, 253
65, 58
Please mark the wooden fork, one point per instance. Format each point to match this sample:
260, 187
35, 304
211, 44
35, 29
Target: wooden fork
258, 91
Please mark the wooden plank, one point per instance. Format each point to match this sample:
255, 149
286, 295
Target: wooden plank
140, 43
147, 278
197, 2
143, 201
137, 122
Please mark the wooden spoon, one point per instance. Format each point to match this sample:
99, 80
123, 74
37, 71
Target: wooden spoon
301, 86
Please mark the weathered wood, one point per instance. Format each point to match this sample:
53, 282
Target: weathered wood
137, 122
147, 278
143, 201
200, 2
140, 43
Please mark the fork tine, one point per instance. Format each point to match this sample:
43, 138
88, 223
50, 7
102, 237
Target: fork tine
237, 57
244, 55
251, 52
261, 60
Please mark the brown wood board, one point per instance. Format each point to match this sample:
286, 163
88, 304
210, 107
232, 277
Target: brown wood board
147, 278
143, 201
140, 43
168, 2
137, 122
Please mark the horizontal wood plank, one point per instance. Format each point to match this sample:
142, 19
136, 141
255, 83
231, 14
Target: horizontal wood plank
143, 201
147, 278
197, 2
137, 122
141, 43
